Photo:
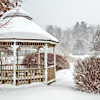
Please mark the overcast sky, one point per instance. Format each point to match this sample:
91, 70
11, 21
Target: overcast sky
63, 13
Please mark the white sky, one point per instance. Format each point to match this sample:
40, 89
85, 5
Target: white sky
63, 13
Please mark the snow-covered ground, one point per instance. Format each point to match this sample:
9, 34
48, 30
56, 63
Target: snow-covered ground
62, 89
79, 56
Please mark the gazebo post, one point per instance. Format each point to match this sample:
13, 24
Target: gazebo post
17, 58
54, 51
14, 64
46, 48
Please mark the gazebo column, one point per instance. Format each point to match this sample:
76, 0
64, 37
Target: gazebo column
54, 51
46, 54
14, 64
17, 58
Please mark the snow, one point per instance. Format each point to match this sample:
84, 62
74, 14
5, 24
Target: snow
18, 12
79, 56
23, 28
62, 89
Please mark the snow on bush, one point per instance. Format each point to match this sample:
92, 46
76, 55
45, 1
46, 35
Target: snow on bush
87, 75
61, 62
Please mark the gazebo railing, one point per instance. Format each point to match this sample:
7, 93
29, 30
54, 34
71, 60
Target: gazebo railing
25, 66
6, 73
25, 74
20, 66
29, 73
6, 76
6, 67
50, 74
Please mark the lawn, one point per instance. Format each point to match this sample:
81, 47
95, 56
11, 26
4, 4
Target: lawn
62, 89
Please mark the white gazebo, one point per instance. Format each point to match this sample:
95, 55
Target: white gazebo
22, 33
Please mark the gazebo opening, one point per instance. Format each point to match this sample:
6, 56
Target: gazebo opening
20, 38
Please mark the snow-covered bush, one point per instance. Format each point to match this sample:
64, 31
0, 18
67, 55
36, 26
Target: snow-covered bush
87, 75
61, 62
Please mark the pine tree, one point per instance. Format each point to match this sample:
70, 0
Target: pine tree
78, 48
95, 45
50, 29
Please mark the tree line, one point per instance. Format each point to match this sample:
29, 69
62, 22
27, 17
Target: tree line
77, 40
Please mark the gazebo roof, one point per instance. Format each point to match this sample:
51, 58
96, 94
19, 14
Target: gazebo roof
21, 27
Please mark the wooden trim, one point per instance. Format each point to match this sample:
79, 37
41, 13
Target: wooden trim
50, 67
10, 43
51, 45
33, 41
51, 81
51, 73
46, 56
28, 43
2, 43
54, 51
17, 58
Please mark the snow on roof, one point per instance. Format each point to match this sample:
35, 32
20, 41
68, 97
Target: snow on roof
22, 28
17, 12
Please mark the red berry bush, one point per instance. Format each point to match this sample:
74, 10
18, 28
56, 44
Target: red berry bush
87, 75
61, 62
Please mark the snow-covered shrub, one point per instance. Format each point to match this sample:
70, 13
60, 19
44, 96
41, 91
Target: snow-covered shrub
87, 75
61, 62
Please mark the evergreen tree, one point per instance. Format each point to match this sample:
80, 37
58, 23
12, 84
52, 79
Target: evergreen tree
80, 30
95, 45
78, 48
50, 29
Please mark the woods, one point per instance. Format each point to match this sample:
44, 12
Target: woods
76, 39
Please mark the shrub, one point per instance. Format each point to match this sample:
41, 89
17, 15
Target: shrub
61, 62
87, 75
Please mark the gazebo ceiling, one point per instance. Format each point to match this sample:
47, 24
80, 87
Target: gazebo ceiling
21, 27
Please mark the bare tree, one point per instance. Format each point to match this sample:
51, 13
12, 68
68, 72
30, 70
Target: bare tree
6, 5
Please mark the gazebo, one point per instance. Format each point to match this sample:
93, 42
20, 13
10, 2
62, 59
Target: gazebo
21, 33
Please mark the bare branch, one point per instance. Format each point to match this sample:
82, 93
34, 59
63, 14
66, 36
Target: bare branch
9, 19
6, 5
